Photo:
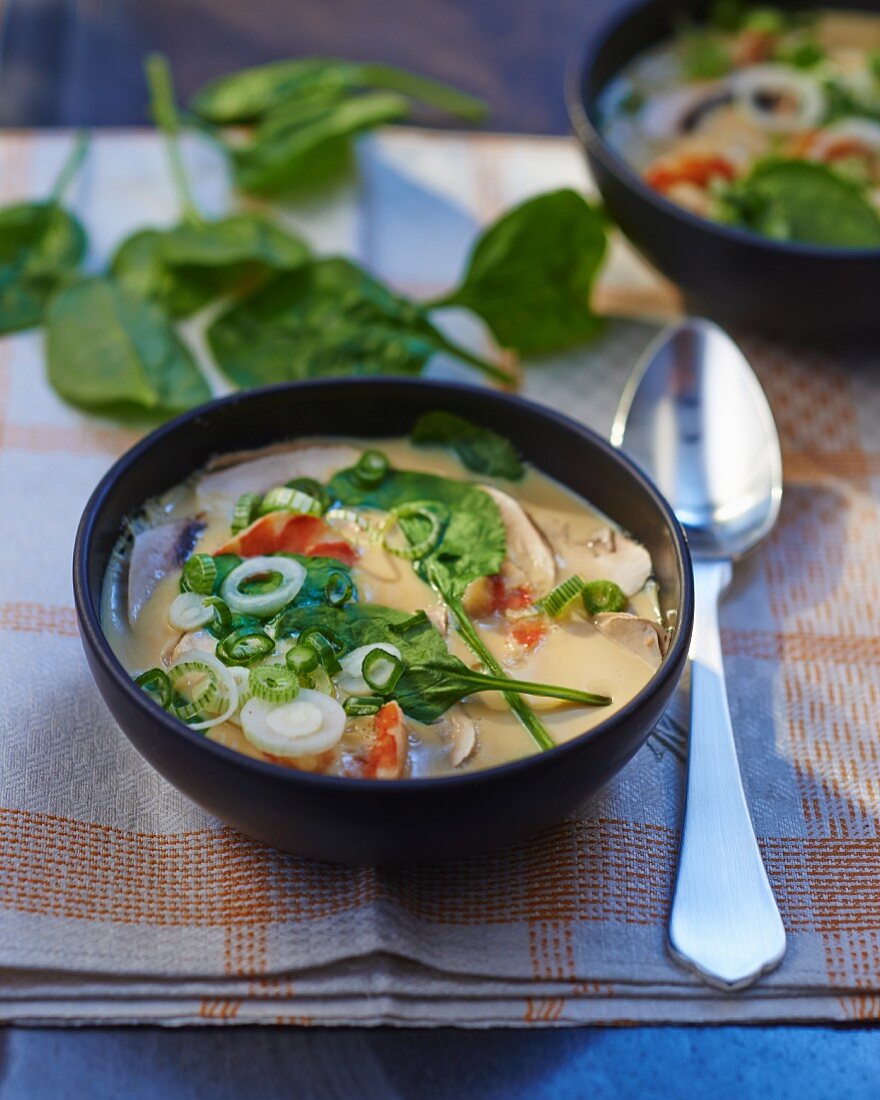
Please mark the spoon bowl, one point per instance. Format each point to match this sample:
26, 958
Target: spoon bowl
695, 417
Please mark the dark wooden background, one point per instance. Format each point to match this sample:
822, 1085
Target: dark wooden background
78, 62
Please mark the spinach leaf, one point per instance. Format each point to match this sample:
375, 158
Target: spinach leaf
106, 347
530, 275
41, 246
473, 542
186, 267
319, 570
250, 94
327, 318
281, 156
480, 450
793, 200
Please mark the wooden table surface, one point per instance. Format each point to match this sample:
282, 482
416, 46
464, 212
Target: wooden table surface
78, 62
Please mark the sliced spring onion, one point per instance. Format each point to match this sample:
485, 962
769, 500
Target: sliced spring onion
353, 681
338, 590
199, 575
274, 683
371, 468
312, 488
242, 646
196, 685
246, 510
301, 659
381, 671
429, 511
263, 604
156, 684
285, 499
224, 702
316, 639
779, 99
189, 611
221, 623
602, 596
362, 706
310, 724
558, 601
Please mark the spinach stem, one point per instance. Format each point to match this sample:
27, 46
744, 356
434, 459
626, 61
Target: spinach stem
482, 682
166, 118
432, 92
516, 703
70, 167
488, 368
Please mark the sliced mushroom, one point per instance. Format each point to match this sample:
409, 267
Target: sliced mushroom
258, 471
640, 636
672, 114
610, 555
193, 641
463, 732
155, 553
530, 559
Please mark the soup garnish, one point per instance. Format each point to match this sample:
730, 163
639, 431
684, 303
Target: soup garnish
763, 119
369, 611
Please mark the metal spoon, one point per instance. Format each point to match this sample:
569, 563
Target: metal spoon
694, 416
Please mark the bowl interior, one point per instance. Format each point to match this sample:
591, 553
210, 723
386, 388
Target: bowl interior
367, 408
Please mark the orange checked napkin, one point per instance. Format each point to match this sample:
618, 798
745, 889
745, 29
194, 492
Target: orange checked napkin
120, 901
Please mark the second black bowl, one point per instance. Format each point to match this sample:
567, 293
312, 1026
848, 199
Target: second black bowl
734, 276
370, 821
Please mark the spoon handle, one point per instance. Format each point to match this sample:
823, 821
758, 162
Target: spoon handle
724, 921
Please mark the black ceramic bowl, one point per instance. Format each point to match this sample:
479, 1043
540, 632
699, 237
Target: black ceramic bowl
370, 821
736, 277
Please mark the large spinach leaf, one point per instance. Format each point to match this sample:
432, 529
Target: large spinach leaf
106, 347
327, 318
793, 200
41, 246
530, 275
185, 267
482, 451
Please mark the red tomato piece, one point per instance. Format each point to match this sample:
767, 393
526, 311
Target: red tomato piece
286, 532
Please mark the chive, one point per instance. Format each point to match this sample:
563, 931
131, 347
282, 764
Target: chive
274, 683
362, 706
246, 510
601, 596
157, 685
199, 575
562, 596
338, 590
372, 468
244, 645
381, 671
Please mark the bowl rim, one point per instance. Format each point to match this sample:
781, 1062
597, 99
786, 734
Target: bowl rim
579, 64
93, 637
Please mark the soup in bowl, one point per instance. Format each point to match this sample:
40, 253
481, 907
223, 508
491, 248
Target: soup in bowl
330, 640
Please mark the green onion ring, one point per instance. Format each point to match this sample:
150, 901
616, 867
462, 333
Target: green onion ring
274, 683
221, 624
558, 601
246, 510
263, 604
157, 685
284, 499
372, 468
602, 596
200, 697
338, 590
362, 706
313, 489
199, 575
242, 646
301, 659
381, 671
323, 648
429, 510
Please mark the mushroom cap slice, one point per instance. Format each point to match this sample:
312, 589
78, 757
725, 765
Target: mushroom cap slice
155, 553
258, 471
612, 556
530, 559
640, 636
463, 733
